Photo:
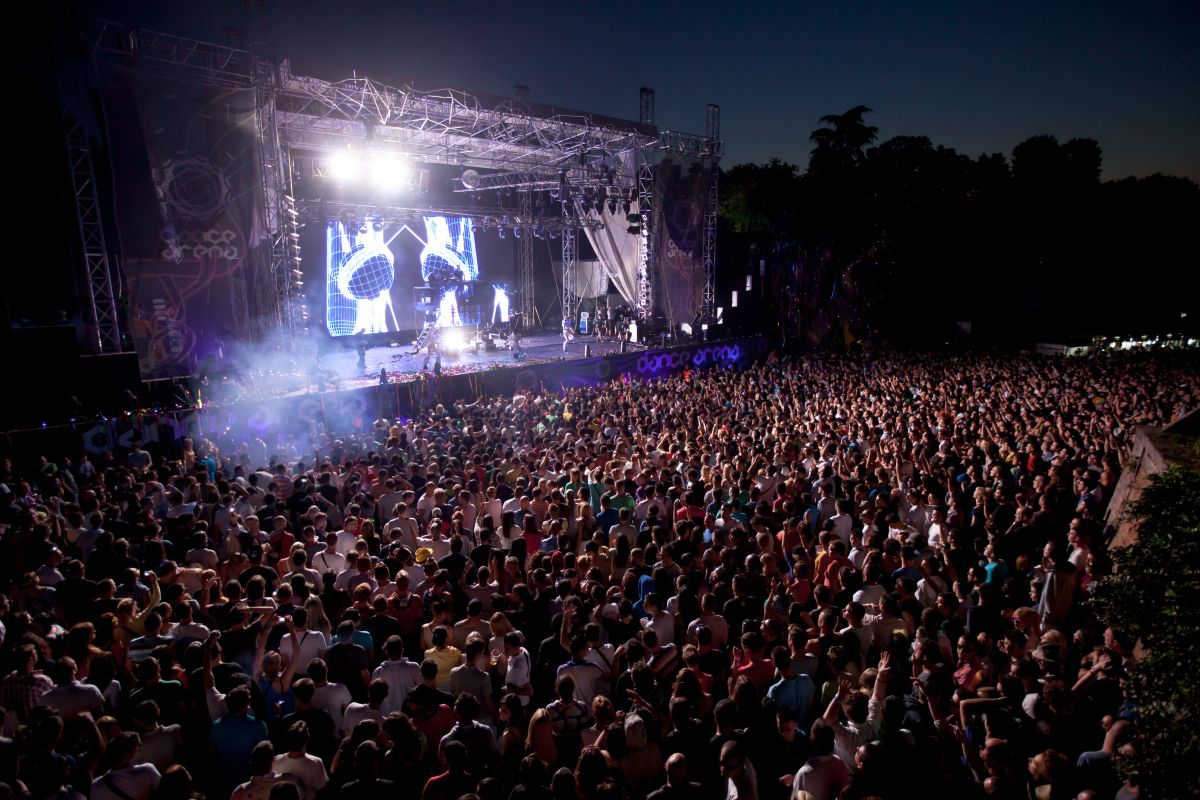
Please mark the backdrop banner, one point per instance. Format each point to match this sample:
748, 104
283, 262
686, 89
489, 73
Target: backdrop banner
186, 193
680, 191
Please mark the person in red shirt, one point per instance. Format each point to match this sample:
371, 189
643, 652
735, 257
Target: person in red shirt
832, 565
749, 660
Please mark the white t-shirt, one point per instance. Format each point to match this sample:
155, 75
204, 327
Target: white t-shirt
326, 561
137, 782
73, 698
307, 771
401, 677
332, 697
303, 648
356, 713
162, 747
518, 672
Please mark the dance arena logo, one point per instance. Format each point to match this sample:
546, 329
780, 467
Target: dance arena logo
199, 244
661, 362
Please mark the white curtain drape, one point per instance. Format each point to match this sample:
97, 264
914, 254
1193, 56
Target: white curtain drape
619, 252
590, 279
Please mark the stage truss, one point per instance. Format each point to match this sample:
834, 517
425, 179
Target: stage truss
518, 146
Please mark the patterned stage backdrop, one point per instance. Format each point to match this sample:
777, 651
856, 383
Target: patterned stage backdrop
186, 185
681, 189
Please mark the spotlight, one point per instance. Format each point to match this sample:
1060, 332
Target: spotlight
633, 218
517, 233
362, 228
344, 167
470, 179
633, 229
501, 230
453, 341
389, 173
612, 206
624, 206
377, 226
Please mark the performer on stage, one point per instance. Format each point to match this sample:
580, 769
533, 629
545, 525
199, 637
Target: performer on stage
361, 346
433, 348
499, 303
568, 333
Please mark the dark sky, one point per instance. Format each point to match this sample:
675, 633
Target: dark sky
974, 76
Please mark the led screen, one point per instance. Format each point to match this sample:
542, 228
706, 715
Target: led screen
376, 273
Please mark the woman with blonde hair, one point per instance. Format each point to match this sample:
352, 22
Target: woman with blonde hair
501, 627
540, 739
317, 621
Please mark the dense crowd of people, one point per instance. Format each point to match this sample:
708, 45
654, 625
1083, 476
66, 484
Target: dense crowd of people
828, 577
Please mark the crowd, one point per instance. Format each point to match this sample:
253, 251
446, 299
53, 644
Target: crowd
822, 578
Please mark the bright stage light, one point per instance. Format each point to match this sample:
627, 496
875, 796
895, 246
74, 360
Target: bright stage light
344, 167
389, 173
453, 341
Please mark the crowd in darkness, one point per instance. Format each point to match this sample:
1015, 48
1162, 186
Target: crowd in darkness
829, 577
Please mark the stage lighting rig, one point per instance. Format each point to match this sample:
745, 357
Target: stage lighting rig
344, 166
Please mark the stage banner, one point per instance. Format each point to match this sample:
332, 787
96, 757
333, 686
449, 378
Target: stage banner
186, 182
680, 190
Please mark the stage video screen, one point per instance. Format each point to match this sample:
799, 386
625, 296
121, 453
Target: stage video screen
385, 277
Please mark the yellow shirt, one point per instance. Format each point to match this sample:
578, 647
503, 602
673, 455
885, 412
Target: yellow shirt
446, 659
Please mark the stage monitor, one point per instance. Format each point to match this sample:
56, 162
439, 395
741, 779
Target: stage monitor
373, 269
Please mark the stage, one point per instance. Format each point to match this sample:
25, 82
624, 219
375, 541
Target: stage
402, 367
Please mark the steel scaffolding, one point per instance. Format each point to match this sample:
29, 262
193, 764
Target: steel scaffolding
526, 305
709, 241
645, 274
569, 300
513, 143
105, 333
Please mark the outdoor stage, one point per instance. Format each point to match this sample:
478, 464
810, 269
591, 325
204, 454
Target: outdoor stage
401, 366
360, 401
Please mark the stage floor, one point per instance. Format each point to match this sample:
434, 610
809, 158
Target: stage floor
303, 373
401, 366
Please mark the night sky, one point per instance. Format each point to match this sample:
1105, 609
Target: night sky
979, 77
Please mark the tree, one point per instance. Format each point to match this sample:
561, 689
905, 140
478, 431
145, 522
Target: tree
1154, 599
843, 139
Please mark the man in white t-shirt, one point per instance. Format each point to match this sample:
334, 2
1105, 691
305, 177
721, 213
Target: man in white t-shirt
330, 697
307, 772
329, 559
400, 674
70, 697
126, 780
519, 668
301, 645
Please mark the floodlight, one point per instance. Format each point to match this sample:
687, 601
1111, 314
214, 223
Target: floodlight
344, 166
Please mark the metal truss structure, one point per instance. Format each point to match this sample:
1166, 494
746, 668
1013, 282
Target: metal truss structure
105, 324
512, 144
569, 299
708, 251
645, 273
525, 289
485, 217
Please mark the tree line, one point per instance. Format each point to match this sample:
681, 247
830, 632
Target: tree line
897, 241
